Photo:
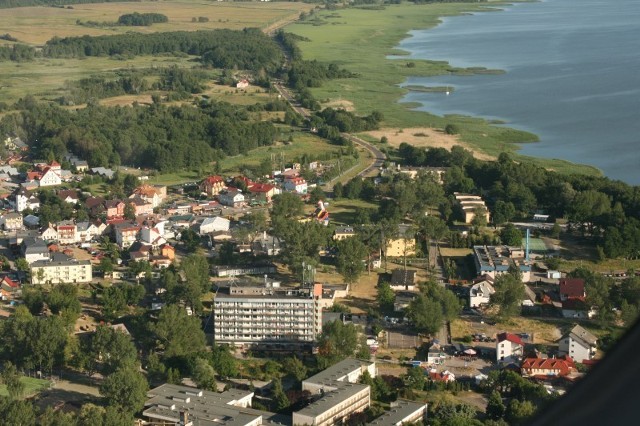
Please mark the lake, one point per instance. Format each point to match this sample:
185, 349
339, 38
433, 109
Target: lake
572, 77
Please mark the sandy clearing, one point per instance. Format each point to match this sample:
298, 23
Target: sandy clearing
339, 104
425, 137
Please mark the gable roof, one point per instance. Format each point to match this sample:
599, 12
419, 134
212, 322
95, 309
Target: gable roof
582, 336
572, 287
403, 277
510, 337
563, 365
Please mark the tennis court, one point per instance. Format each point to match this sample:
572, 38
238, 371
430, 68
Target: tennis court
536, 245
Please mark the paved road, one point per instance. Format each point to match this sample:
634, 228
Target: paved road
378, 157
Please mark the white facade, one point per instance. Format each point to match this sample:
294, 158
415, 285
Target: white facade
579, 344
214, 224
50, 178
508, 351
480, 294
297, 185
61, 269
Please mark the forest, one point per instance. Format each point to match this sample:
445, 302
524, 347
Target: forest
166, 138
17, 53
248, 49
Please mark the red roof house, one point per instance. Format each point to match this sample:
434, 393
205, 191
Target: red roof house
572, 288
545, 367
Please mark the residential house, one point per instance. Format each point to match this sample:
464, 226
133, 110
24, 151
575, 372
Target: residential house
404, 244
547, 367
579, 344
403, 300
509, 347
140, 206
115, 209
242, 84
70, 196
103, 171
577, 308
266, 245
231, 197
15, 144
67, 232
212, 185
343, 232
443, 377
31, 221
8, 288
263, 192
480, 293
12, 221
34, 249
89, 230
213, 224
60, 268
152, 236
436, 354
96, 205
25, 200
50, 177
168, 251
151, 194
296, 184
126, 233
572, 288
403, 279
50, 233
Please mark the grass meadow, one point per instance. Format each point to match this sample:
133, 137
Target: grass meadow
363, 41
31, 386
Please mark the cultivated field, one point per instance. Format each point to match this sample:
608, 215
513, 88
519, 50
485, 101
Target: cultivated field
36, 25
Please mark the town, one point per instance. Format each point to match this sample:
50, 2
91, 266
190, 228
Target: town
225, 213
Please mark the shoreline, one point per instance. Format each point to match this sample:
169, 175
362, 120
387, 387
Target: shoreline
382, 68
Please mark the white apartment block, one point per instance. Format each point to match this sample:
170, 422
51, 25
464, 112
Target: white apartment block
271, 318
59, 269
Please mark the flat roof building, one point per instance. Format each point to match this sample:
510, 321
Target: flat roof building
496, 260
401, 412
268, 317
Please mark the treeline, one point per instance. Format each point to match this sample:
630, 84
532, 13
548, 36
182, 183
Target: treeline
17, 53
604, 210
304, 74
136, 19
160, 137
248, 49
7, 4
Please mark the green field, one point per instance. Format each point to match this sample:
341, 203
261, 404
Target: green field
32, 386
361, 41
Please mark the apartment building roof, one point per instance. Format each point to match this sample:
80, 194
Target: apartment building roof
337, 371
340, 392
400, 410
59, 259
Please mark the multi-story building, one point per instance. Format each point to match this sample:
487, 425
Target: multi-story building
402, 412
212, 185
271, 318
404, 244
60, 268
12, 221
472, 205
579, 344
340, 394
494, 261
67, 232
126, 233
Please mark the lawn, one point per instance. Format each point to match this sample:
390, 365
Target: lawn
31, 386
343, 211
36, 25
362, 40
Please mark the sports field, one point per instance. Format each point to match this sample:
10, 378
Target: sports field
536, 245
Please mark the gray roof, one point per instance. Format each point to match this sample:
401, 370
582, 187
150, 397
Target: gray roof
398, 413
59, 259
583, 336
204, 407
340, 391
337, 371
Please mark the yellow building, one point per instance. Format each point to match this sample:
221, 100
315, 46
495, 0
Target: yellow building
404, 244
59, 269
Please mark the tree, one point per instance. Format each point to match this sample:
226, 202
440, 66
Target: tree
336, 342
22, 264
204, 375
295, 368
106, 265
509, 295
280, 400
519, 411
317, 194
223, 361
63, 300
338, 190
126, 390
426, 314
33, 298
511, 236
350, 259
17, 412
503, 212
178, 333
11, 379
385, 297
415, 378
130, 211
190, 240
495, 407
286, 206
114, 348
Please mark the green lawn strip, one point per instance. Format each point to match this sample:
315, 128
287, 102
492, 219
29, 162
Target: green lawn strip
31, 386
361, 41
